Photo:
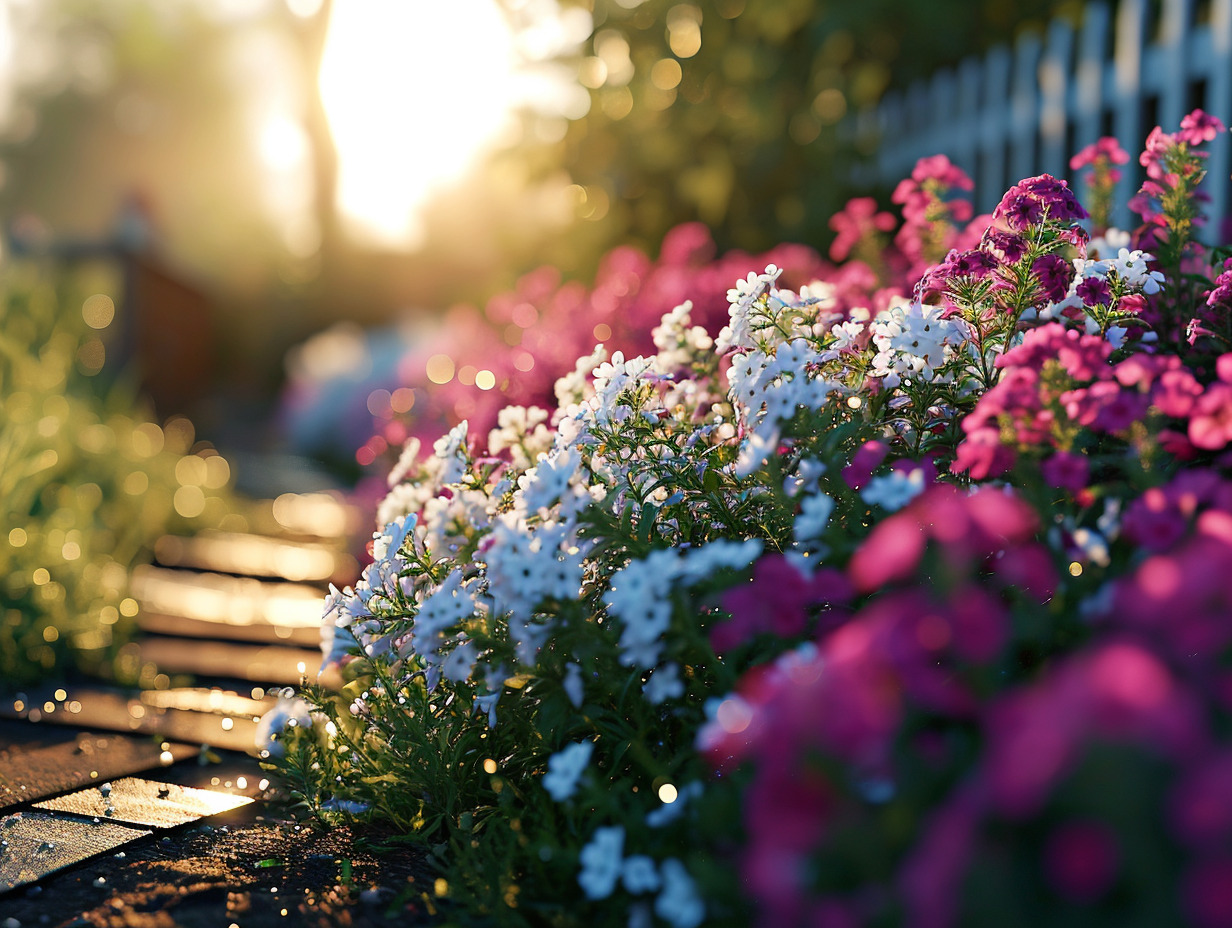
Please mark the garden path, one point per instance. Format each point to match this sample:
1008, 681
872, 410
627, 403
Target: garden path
146, 807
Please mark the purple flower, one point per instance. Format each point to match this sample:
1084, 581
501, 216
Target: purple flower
1094, 291
1032, 200
1008, 245
1054, 274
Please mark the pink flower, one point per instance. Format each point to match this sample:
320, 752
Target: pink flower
1175, 393
891, 552
1107, 147
858, 220
1199, 127
931, 876
981, 454
1210, 424
1066, 470
1118, 691
776, 601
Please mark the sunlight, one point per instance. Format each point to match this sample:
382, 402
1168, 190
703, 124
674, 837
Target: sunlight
414, 90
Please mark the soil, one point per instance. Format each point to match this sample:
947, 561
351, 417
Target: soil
252, 872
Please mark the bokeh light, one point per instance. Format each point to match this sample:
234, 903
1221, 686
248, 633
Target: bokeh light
410, 106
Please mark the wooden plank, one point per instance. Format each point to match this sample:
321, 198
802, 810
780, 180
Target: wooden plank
256, 556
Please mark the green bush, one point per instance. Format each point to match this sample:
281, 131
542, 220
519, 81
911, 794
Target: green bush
86, 483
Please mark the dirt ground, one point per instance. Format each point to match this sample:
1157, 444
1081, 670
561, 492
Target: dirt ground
251, 873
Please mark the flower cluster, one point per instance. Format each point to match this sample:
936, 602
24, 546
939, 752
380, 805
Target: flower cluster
911, 607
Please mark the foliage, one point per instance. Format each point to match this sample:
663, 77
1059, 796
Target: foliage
909, 613
86, 485
731, 112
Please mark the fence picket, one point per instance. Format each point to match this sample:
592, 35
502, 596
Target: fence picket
1026, 110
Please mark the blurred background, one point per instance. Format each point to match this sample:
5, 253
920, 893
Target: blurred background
242, 175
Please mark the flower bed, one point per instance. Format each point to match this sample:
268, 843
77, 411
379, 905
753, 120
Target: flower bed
911, 612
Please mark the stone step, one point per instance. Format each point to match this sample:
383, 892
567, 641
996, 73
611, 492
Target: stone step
41, 772
68, 829
149, 803
224, 720
211, 605
251, 555
36, 844
262, 664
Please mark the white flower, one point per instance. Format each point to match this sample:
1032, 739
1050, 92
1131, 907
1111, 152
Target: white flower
664, 684
573, 685
756, 449
440, 611
894, 490
336, 644
639, 874
679, 903
460, 662
1093, 546
574, 388
565, 768
288, 712
814, 515
601, 862
487, 704
845, 335
913, 339
521, 429
410, 451
806, 478
450, 452
1132, 266
404, 499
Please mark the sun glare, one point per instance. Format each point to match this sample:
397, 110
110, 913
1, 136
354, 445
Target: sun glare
414, 90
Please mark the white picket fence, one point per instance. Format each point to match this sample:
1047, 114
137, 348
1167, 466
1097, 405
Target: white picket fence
1014, 113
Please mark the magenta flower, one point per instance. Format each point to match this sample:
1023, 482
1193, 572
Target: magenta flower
1066, 470
1032, 200
858, 220
1199, 127
1200, 806
1106, 147
866, 460
1210, 423
777, 601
